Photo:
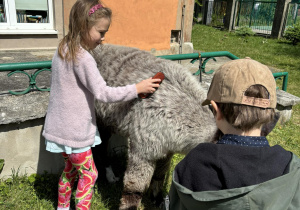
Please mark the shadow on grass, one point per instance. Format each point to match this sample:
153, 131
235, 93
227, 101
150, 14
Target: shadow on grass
112, 193
45, 186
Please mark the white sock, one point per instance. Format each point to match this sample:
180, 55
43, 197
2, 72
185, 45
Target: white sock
67, 208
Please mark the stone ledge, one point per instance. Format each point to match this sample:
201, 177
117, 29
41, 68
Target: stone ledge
286, 99
15, 109
285, 103
187, 47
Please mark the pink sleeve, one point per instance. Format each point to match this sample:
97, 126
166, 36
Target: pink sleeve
89, 75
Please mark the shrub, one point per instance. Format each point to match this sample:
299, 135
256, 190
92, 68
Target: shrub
292, 33
244, 31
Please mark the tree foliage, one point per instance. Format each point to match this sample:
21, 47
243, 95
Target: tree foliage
293, 33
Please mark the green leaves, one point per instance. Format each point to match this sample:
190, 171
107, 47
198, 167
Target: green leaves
28, 192
293, 33
32, 178
244, 31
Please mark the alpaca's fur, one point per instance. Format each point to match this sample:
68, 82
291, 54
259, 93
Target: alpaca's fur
171, 121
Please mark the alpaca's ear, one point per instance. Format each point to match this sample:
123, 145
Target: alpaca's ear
267, 128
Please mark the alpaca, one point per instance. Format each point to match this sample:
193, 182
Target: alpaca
170, 121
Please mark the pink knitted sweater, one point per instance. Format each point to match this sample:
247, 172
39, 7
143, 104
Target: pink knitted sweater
70, 118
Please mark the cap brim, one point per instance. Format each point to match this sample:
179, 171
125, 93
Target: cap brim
206, 102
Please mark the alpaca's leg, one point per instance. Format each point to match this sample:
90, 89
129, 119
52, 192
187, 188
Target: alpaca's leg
137, 178
158, 179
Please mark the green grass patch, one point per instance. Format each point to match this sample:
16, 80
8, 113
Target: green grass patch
40, 192
28, 192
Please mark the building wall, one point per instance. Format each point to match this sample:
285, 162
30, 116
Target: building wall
23, 150
144, 24
188, 16
29, 41
67, 6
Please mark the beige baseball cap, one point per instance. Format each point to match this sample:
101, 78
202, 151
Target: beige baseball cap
233, 78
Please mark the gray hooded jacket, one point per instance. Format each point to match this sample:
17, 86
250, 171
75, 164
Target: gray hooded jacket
281, 193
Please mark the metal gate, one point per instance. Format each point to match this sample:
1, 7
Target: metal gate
256, 14
259, 15
293, 14
218, 13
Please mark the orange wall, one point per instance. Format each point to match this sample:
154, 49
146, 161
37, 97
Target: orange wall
68, 4
142, 24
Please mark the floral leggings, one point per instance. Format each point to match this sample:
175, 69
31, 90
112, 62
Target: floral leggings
83, 165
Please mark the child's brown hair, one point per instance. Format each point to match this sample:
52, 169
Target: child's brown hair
247, 117
80, 23
245, 92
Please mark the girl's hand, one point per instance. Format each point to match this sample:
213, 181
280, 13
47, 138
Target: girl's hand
147, 85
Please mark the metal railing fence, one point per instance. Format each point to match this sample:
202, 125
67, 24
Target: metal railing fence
42, 66
20, 68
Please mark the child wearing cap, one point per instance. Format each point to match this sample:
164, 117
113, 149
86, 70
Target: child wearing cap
240, 171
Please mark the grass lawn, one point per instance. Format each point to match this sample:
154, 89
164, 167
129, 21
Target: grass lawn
40, 191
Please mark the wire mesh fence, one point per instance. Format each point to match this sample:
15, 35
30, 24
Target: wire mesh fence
258, 15
293, 15
218, 13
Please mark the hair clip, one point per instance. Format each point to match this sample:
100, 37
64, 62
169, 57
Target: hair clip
95, 8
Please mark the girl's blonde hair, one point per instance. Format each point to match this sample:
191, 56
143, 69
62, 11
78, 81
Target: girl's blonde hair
80, 23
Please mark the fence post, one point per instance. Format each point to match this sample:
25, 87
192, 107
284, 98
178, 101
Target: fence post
279, 18
208, 9
230, 17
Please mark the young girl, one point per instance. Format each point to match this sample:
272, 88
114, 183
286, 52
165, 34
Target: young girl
70, 125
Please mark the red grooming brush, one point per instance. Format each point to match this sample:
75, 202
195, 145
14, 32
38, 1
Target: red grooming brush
158, 75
